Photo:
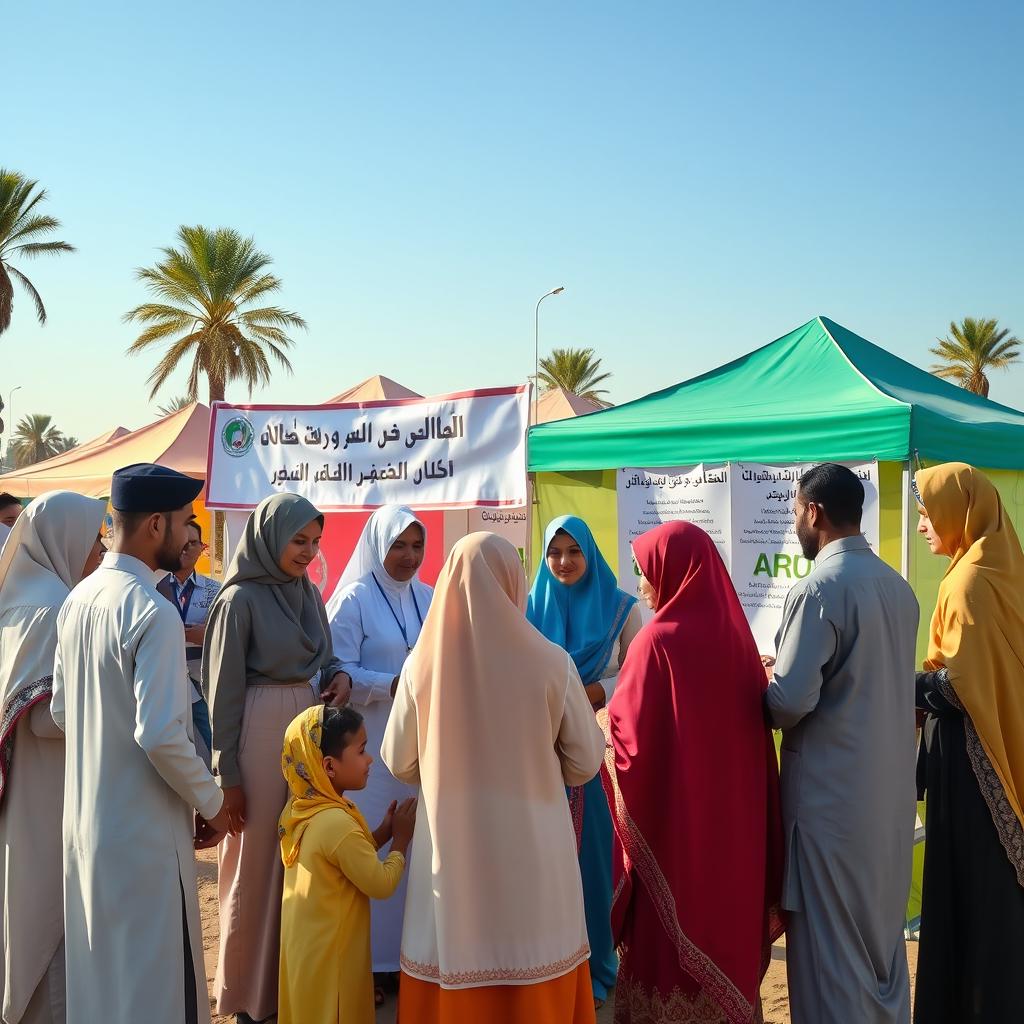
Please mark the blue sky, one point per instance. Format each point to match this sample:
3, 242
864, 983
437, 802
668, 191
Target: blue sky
700, 177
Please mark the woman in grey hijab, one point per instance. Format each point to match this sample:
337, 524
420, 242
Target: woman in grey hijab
267, 657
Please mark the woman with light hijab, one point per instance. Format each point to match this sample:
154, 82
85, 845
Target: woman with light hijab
493, 716
376, 614
267, 657
971, 767
54, 545
576, 602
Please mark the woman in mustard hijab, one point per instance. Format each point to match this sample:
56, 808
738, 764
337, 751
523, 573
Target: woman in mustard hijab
971, 961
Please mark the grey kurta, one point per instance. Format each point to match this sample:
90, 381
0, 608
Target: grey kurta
843, 694
120, 692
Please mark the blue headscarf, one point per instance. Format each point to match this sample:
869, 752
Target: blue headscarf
587, 617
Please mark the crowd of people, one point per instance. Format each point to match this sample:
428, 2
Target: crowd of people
507, 804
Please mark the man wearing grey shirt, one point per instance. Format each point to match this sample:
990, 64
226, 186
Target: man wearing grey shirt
843, 694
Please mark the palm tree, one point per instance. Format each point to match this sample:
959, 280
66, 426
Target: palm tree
973, 347
175, 405
20, 233
577, 370
205, 289
35, 439
65, 444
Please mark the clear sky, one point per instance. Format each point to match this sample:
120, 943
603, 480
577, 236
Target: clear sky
701, 177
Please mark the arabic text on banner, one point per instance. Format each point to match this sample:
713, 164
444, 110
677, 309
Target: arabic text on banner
747, 509
766, 555
649, 497
454, 451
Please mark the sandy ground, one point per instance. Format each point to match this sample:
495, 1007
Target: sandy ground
773, 991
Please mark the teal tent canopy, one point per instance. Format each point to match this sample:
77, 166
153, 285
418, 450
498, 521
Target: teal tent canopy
820, 393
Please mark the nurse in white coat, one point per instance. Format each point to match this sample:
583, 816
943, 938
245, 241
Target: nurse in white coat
376, 614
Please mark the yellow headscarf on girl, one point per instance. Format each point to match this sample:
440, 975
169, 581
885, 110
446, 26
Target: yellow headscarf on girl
308, 783
977, 631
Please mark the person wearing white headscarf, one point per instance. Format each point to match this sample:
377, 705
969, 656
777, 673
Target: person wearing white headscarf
376, 616
53, 546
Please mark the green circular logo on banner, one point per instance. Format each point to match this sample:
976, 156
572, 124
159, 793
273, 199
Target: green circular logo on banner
237, 436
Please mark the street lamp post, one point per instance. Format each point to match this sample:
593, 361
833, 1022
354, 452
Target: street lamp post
536, 345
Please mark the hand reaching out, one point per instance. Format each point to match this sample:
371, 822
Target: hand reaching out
338, 691
383, 832
403, 825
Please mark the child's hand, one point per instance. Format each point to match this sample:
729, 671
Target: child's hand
383, 832
403, 824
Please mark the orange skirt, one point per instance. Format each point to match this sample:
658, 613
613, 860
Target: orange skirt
565, 1000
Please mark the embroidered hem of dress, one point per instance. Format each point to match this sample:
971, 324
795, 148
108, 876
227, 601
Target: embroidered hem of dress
496, 975
1008, 825
636, 1005
694, 961
23, 701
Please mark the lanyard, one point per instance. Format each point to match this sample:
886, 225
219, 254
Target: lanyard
394, 614
188, 588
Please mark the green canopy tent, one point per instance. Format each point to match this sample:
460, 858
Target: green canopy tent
820, 393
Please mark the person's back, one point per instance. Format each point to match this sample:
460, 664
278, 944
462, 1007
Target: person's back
843, 694
862, 724
492, 721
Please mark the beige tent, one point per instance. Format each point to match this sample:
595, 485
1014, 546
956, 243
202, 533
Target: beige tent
178, 441
373, 389
559, 404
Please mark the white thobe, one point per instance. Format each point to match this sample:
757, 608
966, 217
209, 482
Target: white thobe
369, 641
120, 693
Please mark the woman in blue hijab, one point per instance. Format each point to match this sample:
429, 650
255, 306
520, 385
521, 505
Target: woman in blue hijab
576, 603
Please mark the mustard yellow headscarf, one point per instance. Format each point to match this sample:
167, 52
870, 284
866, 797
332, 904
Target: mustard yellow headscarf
311, 790
977, 631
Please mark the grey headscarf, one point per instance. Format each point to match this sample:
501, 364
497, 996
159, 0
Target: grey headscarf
289, 637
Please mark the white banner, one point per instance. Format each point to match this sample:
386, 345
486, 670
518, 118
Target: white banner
650, 497
747, 508
454, 451
511, 523
766, 555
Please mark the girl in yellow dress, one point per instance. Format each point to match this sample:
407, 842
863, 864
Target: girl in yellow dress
332, 870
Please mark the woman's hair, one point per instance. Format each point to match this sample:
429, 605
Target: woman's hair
340, 725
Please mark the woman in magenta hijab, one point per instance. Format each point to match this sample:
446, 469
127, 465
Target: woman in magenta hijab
693, 783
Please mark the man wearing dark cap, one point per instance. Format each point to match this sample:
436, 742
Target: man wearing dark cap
133, 941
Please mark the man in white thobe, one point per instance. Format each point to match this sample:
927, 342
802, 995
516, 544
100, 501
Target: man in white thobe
843, 694
131, 910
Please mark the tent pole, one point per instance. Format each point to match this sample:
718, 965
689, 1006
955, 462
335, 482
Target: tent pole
905, 526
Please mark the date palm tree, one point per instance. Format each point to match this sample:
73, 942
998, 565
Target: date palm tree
208, 291
35, 439
973, 347
21, 232
576, 369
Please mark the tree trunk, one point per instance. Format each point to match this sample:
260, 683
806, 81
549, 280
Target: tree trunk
216, 393
6, 298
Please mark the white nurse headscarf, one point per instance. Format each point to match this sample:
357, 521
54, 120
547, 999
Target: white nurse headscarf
382, 529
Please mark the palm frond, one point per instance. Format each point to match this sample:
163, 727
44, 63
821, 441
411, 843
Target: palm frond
33, 294
169, 363
30, 250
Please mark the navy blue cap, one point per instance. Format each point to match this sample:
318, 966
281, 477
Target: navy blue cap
145, 487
